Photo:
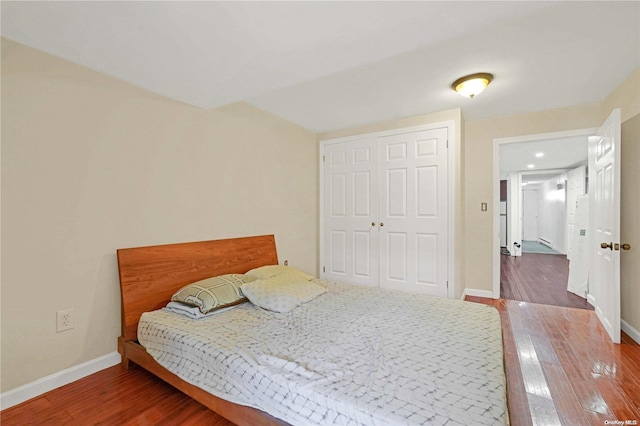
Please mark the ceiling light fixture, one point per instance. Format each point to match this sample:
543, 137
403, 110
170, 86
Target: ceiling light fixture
540, 154
530, 166
470, 85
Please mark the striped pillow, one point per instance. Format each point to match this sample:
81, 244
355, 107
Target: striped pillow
213, 293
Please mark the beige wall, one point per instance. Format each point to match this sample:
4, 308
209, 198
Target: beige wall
630, 222
627, 97
459, 201
91, 164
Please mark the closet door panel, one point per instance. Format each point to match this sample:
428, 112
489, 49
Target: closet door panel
396, 256
426, 192
338, 259
362, 254
427, 252
338, 195
413, 198
396, 199
362, 194
350, 241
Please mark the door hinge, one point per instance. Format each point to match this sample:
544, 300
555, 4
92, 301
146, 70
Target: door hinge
323, 270
323, 158
447, 285
447, 143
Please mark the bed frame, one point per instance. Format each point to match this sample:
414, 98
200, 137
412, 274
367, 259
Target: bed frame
148, 278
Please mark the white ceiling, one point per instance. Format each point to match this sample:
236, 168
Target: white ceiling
331, 65
558, 155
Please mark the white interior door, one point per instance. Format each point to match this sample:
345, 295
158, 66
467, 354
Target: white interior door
413, 215
604, 275
530, 215
350, 235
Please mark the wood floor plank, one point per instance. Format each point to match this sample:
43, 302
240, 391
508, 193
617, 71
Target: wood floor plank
516, 395
36, 412
597, 419
570, 411
118, 408
36, 407
113, 396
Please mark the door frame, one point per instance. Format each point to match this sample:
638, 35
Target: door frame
451, 185
497, 143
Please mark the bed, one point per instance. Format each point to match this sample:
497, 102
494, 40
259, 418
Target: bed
352, 355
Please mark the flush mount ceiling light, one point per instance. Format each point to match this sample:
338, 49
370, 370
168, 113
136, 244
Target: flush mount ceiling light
471, 85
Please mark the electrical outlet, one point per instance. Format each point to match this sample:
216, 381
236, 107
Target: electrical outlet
64, 320
286, 263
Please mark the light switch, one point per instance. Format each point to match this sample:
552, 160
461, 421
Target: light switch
483, 207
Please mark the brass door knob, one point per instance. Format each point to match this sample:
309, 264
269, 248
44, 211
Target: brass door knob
626, 247
381, 223
605, 245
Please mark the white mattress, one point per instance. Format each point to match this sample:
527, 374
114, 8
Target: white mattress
353, 356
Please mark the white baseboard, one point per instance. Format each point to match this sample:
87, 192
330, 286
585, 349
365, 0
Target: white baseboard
55, 380
546, 243
477, 293
632, 332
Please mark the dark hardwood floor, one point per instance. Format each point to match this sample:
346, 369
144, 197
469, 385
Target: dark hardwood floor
561, 369
113, 396
538, 278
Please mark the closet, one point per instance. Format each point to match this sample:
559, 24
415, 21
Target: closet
384, 210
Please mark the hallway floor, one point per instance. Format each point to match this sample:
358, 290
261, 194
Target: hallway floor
538, 278
536, 247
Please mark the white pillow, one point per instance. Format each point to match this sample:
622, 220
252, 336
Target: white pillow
271, 271
281, 294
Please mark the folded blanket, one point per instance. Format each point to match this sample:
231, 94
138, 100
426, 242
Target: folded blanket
192, 312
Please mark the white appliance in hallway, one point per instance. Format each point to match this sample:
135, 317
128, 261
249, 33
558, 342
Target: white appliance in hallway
578, 282
530, 214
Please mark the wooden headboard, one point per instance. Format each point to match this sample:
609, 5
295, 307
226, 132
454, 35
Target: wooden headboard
150, 275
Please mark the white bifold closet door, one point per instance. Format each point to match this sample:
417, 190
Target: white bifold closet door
385, 215
413, 212
350, 212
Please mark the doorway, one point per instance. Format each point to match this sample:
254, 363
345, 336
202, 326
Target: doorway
533, 264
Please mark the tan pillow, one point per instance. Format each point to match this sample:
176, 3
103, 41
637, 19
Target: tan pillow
213, 293
281, 294
271, 271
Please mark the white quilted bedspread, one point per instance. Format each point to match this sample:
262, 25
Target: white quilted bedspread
353, 356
